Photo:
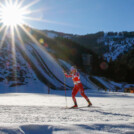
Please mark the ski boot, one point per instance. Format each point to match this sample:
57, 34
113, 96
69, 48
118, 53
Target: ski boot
75, 106
89, 103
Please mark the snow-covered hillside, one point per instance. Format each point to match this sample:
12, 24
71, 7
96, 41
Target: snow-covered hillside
117, 43
14, 70
111, 85
112, 113
31, 62
54, 34
117, 47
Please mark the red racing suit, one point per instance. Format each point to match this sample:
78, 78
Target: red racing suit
77, 85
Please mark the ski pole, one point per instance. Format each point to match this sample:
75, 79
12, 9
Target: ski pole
65, 91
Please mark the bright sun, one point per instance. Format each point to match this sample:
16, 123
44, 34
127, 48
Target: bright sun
12, 15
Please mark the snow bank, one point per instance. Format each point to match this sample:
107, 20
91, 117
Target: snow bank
70, 129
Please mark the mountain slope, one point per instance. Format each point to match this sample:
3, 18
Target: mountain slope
110, 45
115, 50
33, 59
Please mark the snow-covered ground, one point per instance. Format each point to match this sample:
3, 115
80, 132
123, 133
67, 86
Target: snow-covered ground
29, 113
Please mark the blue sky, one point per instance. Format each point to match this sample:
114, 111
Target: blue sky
85, 16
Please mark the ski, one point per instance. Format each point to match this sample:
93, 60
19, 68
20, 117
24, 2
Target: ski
72, 107
81, 107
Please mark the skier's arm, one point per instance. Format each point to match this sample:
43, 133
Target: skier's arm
68, 75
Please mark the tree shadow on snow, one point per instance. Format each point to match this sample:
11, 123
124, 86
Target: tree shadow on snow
110, 128
91, 128
41, 129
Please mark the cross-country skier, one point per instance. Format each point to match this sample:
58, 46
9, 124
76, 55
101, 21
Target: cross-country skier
77, 86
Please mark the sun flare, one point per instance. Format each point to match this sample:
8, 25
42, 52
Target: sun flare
12, 15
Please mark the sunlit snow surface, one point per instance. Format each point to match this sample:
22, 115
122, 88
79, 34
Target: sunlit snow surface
28, 113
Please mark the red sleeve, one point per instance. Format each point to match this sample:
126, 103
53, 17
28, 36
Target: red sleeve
68, 75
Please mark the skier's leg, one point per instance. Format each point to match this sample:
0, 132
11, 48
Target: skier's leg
74, 92
81, 89
80, 86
